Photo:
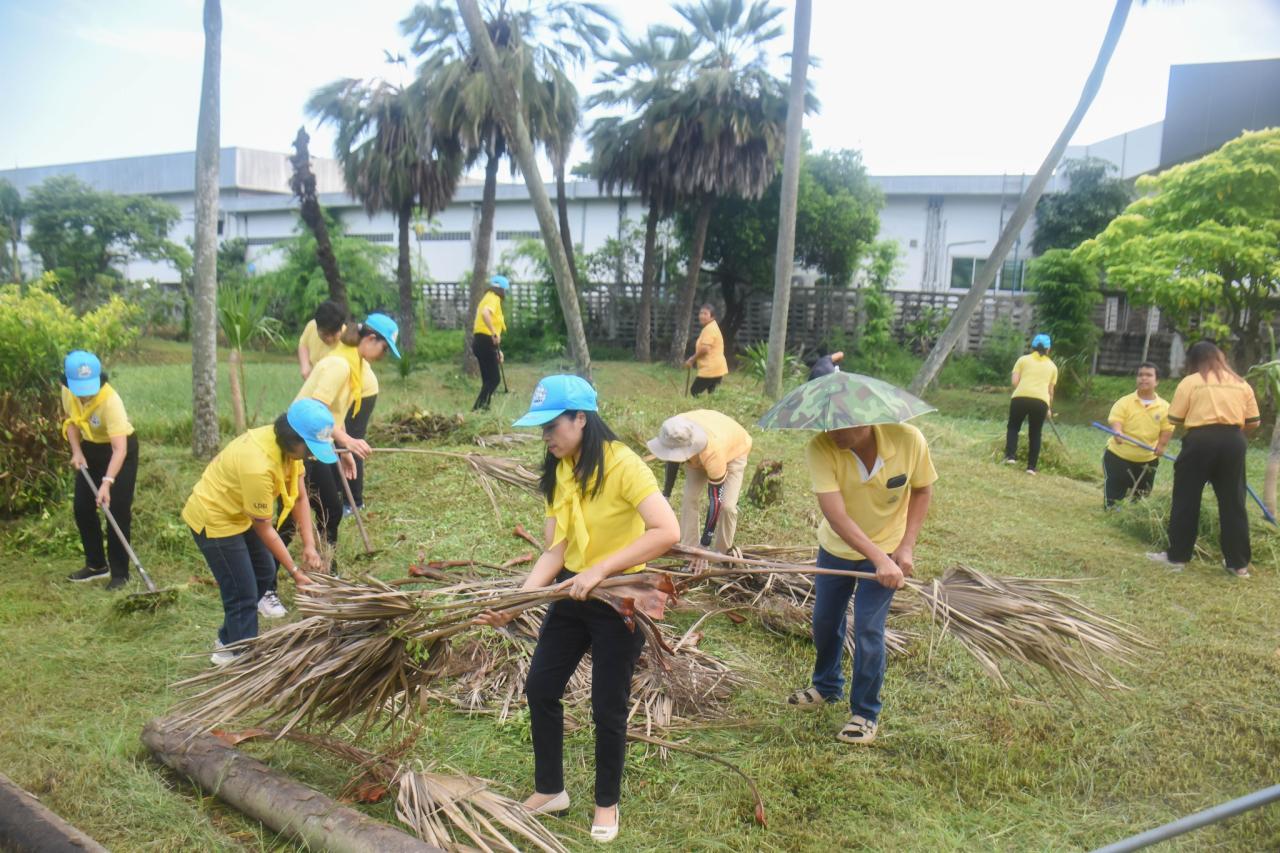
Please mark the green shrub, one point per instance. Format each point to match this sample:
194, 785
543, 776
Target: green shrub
1066, 291
1004, 346
36, 333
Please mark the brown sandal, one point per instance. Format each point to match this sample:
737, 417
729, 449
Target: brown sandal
808, 699
858, 730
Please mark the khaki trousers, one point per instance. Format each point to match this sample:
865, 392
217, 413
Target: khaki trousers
695, 486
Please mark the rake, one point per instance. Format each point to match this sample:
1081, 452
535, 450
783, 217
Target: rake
154, 597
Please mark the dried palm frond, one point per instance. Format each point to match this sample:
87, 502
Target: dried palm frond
664, 745
487, 469
452, 811
506, 439
1024, 620
416, 426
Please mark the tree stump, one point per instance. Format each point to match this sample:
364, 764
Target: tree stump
766, 484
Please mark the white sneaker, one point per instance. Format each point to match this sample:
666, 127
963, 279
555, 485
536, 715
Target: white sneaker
271, 607
220, 657
1163, 557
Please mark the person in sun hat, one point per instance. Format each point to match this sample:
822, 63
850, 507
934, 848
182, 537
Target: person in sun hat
714, 449
338, 382
229, 514
708, 353
604, 516
486, 341
1034, 378
102, 440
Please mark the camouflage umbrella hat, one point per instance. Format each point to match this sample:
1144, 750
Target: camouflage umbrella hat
841, 400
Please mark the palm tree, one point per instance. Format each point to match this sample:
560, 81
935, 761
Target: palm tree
722, 130
987, 273
204, 332
530, 44
392, 161
625, 152
244, 318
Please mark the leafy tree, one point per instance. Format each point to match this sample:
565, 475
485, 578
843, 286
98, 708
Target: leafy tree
83, 235
11, 213
837, 220
1203, 244
1066, 291
875, 337
243, 314
391, 160
1093, 198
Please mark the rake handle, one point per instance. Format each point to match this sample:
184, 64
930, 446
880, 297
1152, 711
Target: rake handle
111, 519
355, 510
502, 371
771, 566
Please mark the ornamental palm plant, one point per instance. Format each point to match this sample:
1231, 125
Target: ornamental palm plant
391, 160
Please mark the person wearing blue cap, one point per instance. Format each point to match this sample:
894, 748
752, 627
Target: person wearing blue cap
229, 513
1034, 378
486, 340
337, 381
102, 440
605, 516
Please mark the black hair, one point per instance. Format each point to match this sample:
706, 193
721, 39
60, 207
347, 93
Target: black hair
287, 437
710, 308
358, 331
329, 317
595, 433
1150, 365
102, 377
1204, 358
1040, 348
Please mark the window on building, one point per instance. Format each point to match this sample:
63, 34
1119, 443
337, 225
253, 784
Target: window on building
444, 236
963, 272
1012, 275
519, 235
1111, 314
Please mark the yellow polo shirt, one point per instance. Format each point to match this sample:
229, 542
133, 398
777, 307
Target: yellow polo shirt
239, 485
318, 349
1144, 421
609, 520
493, 302
726, 441
330, 383
878, 506
1036, 373
713, 363
107, 420
1198, 403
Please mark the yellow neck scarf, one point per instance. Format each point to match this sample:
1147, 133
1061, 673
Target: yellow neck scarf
80, 413
352, 356
571, 523
286, 474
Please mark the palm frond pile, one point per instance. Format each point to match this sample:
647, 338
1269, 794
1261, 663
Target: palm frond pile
506, 439
417, 426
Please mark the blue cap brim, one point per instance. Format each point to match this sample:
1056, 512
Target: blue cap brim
539, 417
391, 345
85, 387
322, 450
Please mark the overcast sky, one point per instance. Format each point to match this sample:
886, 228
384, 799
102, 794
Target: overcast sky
919, 86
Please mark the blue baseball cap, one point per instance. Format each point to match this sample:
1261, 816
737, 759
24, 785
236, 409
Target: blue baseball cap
312, 420
84, 373
556, 395
1040, 340
387, 328
500, 281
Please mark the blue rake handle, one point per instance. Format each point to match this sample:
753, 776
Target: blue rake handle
1266, 513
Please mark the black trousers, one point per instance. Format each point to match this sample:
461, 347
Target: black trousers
90, 523
324, 493
357, 426
490, 373
1120, 477
1028, 409
568, 631
1210, 454
702, 383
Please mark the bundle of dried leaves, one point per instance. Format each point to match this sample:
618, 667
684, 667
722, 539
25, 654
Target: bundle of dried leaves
416, 426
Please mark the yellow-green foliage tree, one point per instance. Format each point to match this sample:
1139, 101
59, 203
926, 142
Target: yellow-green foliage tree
36, 333
1202, 244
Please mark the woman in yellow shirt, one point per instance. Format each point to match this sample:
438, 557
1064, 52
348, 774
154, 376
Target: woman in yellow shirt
486, 341
102, 440
229, 513
1034, 378
708, 353
605, 516
1219, 410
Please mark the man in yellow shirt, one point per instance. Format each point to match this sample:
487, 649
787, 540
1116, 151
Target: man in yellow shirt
708, 353
486, 340
874, 485
1143, 416
714, 448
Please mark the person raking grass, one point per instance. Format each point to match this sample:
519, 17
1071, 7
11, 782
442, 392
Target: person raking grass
486, 340
604, 516
103, 441
714, 449
1034, 378
1129, 470
229, 514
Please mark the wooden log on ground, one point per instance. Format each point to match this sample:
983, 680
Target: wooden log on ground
279, 802
26, 824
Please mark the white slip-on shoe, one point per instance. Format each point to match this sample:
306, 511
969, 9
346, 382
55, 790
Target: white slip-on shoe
557, 805
1163, 557
605, 834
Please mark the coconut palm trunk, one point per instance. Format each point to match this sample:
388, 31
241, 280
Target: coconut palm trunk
648, 275
562, 210
404, 277
520, 141
204, 332
684, 305
786, 251
483, 250
303, 185
1026, 205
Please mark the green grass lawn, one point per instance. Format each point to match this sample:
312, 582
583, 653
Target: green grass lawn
960, 764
